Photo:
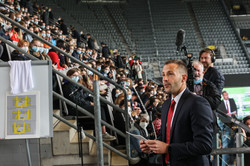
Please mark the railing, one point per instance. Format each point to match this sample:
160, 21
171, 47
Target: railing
126, 136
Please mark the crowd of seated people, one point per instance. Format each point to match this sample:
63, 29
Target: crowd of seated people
126, 71
144, 97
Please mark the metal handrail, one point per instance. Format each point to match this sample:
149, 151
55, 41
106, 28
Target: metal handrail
89, 68
92, 137
231, 151
14, 11
88, 113
7, 7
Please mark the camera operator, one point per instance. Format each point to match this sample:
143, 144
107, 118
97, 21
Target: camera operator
207, 58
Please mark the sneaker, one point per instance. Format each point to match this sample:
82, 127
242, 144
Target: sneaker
83, 134
134, 160
107, 137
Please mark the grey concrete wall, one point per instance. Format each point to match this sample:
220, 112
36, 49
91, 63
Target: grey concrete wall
14, 152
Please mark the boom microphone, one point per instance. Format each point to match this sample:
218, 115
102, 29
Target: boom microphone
180, 38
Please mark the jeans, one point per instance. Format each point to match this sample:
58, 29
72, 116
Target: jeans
135, 144
226, 141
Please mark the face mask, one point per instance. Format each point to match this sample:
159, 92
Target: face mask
36, 32
41, 50
197, 81
18, 8
25, 49
43, 34
143, 124
2, 24
26, 10
99, 68
76, 78
28, 22
46, 50
129, 111
128, 84
106, 71
71, 51
17, 29
155, 93
83, 52
59, 33
129, 97
18, 19
117, 94
90, 53
89, 72
126, 61
141, 92
79, 52
43, 26
36, 22
35, 49
48, 34
62, 38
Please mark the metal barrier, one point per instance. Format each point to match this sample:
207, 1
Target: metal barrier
127, 137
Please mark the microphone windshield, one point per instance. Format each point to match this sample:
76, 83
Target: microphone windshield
180, 38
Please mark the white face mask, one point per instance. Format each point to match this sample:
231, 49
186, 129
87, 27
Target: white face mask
129, 110
25, 49
143, 124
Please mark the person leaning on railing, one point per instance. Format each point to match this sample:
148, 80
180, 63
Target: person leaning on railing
82, 99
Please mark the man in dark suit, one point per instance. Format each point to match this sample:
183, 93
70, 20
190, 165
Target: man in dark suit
187, 122
229, 107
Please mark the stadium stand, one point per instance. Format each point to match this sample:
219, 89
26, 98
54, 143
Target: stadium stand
140, 34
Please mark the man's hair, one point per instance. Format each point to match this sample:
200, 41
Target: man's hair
245, 119
224, 92
196, 62
180, 64
34, 40
207, 50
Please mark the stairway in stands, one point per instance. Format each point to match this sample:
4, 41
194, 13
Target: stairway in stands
62, 149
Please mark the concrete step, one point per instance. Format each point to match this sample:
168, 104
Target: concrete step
117, 160
72, 160
56, 121
65, 140
106, 153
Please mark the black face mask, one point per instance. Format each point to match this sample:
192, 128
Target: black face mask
84, 77
17, 29
248, 134
36, 32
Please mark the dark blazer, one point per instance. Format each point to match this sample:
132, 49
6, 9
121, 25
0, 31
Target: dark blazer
216, 77
191, 132
223, 108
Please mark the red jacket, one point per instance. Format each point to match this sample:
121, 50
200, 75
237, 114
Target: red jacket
55, 59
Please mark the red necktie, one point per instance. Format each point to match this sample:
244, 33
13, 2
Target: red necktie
227, 108
169, 120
